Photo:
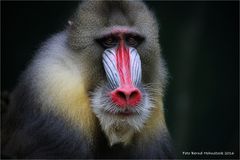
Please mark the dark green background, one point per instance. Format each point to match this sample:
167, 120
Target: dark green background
200, 43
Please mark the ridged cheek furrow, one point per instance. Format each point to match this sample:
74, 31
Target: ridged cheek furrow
109, 64
135, 63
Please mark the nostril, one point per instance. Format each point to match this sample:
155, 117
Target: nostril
121, 95
133, 95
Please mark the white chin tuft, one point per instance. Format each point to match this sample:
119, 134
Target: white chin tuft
118, 132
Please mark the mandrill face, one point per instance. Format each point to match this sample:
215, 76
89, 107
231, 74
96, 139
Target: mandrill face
121, 103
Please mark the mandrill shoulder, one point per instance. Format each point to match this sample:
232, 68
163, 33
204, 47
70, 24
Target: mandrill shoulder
34, 133
59, 84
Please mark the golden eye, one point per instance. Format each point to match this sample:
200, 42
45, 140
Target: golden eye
131, 41
109, 42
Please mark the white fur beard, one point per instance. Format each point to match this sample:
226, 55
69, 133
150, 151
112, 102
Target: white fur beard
119, 128
117, 131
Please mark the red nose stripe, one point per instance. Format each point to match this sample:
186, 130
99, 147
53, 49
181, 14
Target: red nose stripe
123, 65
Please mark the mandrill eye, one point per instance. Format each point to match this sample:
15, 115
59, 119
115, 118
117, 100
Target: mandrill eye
133, 40
107, 42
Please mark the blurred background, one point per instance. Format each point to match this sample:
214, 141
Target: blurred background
200, 43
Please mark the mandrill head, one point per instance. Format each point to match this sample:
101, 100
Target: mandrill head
125, 73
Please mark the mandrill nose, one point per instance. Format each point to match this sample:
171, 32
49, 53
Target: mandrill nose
124, 96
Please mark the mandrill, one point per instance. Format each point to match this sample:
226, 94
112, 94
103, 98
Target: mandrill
94, 90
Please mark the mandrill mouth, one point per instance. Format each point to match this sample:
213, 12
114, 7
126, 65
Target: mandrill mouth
125, 112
